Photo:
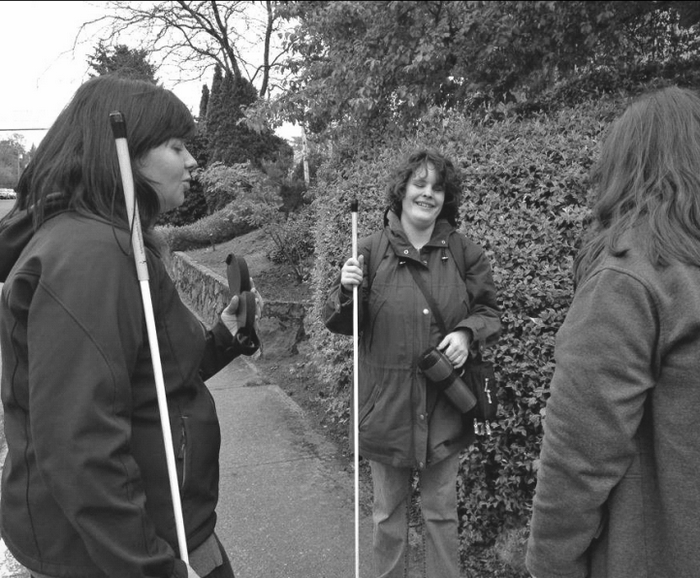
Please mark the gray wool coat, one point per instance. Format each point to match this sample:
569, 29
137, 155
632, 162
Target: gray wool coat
618, 490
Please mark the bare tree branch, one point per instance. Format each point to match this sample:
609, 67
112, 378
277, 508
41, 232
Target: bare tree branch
191, 37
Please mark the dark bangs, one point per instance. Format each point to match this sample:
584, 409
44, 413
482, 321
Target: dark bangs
168, 118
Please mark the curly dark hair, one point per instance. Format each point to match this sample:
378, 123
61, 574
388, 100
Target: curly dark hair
448, 177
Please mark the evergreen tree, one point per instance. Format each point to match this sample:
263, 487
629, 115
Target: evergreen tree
203, 104
214, 104
123, 60
231, 141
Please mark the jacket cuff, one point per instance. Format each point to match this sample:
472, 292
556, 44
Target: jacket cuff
344, 298
474, 325
180, 569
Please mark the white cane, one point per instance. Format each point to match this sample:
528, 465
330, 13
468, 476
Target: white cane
119, 130
355, 403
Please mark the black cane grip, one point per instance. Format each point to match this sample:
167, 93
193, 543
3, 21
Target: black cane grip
116, 119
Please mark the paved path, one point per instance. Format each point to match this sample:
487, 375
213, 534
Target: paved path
286, 510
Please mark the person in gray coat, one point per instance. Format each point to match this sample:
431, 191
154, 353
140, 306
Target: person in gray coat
404, 424
618, 489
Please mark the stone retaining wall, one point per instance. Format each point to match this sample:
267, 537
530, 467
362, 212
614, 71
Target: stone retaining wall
206, 292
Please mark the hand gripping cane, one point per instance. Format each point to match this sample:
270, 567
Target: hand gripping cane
119, 130
355, 403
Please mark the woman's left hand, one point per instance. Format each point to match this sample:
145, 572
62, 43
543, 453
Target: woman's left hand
455, 346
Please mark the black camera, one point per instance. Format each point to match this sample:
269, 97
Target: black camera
441, 373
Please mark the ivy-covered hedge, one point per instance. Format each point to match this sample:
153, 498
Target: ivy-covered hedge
526, 187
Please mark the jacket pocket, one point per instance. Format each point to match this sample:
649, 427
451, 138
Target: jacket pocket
373, 314
182, 455
367, 408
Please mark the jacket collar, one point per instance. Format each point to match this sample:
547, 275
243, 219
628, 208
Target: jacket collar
400, 243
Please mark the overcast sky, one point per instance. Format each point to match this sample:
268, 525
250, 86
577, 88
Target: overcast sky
40, 70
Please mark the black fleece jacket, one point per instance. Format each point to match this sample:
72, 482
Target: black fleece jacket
85, 488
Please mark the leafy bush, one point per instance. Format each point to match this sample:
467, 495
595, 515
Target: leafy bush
292, 195
526, 205
525, 184
256, 203
193, 209
294, 241
222, 226
222, 184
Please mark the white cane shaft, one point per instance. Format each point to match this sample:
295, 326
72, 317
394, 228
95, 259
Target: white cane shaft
355, 402
132, 208
164, 420
142, 273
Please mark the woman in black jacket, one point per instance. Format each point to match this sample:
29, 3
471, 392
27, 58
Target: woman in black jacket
85, 486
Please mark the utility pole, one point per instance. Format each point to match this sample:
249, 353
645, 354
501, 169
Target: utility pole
305, 155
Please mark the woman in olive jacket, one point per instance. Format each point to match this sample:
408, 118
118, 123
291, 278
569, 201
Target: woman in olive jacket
85, 489
403, 423
618, 487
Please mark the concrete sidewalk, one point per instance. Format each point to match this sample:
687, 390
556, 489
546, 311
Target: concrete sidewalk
285, 509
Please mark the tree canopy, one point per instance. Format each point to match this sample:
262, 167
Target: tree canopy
378, 63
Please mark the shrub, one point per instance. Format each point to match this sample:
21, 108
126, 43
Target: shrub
294, 241
222, 184
193, 209
222, 226
292, 195
256, 203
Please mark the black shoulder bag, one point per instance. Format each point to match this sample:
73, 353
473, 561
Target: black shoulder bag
477, 373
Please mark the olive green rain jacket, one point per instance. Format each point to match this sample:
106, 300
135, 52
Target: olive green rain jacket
402, 422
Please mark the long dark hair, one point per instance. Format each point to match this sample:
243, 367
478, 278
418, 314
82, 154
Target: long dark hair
648, 177
447, 177
77, 158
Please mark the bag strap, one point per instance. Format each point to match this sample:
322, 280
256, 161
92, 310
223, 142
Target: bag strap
379, 246
429, 298
457, 250
433, 305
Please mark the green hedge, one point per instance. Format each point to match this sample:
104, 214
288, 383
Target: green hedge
526, 185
